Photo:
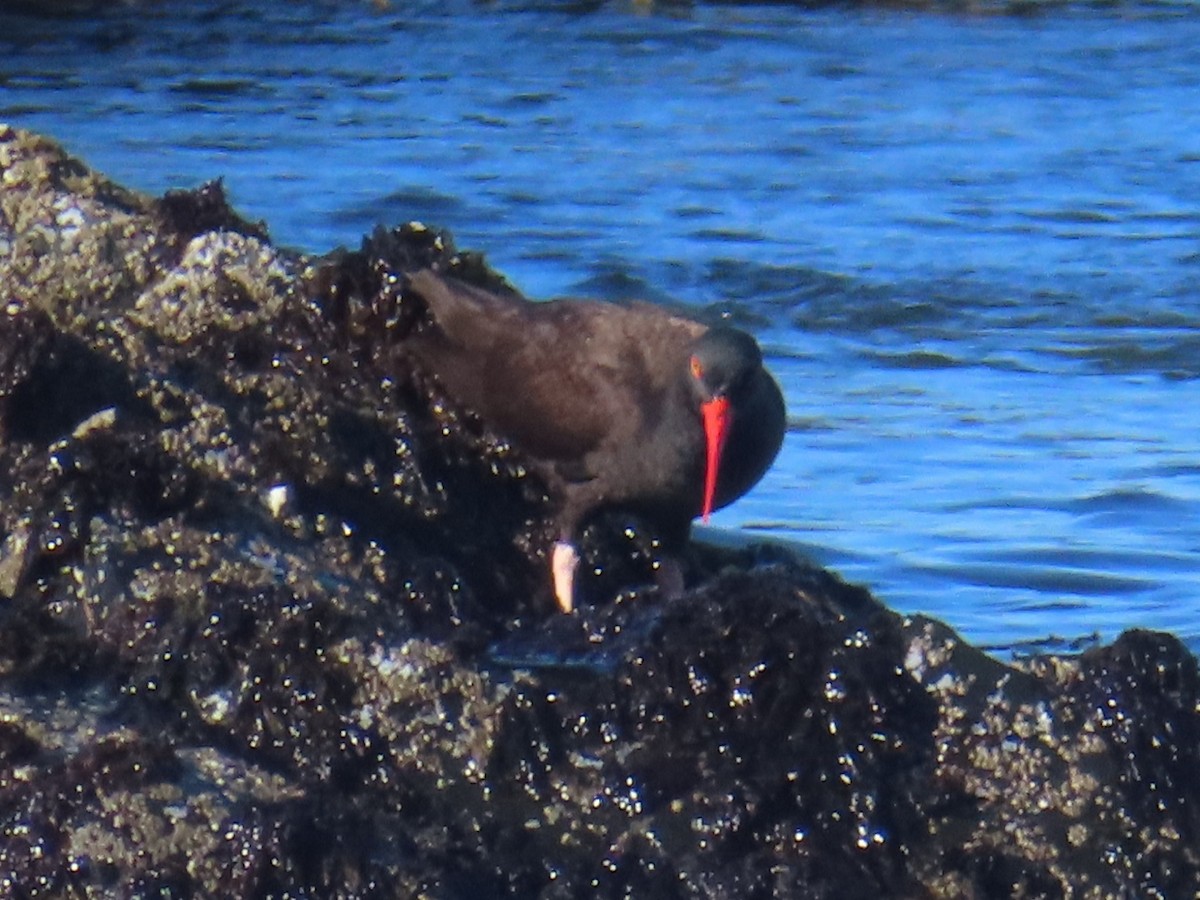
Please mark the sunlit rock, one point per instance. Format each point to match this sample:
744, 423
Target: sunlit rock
274, 622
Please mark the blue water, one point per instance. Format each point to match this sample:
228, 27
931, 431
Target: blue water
969, 245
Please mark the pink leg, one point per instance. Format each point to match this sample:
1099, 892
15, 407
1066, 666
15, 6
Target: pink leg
563, 563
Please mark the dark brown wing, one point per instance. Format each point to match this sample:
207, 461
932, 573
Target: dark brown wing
559, 378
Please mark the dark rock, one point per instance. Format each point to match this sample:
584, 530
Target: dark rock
275, 621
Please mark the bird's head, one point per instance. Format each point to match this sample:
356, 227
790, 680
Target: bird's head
722, 365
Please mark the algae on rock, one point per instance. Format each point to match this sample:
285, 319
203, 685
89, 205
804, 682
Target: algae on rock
274, 622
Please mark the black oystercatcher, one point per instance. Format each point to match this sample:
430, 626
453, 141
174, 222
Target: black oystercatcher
624, 406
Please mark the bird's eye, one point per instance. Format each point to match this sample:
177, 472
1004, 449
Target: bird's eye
697, 369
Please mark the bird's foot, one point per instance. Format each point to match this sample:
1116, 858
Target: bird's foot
563, 563
668, 575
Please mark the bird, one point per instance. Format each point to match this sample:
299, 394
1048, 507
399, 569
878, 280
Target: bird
621, 406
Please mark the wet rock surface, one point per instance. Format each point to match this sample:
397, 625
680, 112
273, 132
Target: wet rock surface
275, 621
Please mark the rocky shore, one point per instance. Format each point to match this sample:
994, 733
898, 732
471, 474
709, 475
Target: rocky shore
274, 622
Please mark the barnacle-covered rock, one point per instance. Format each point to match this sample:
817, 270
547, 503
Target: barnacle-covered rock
275, 621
